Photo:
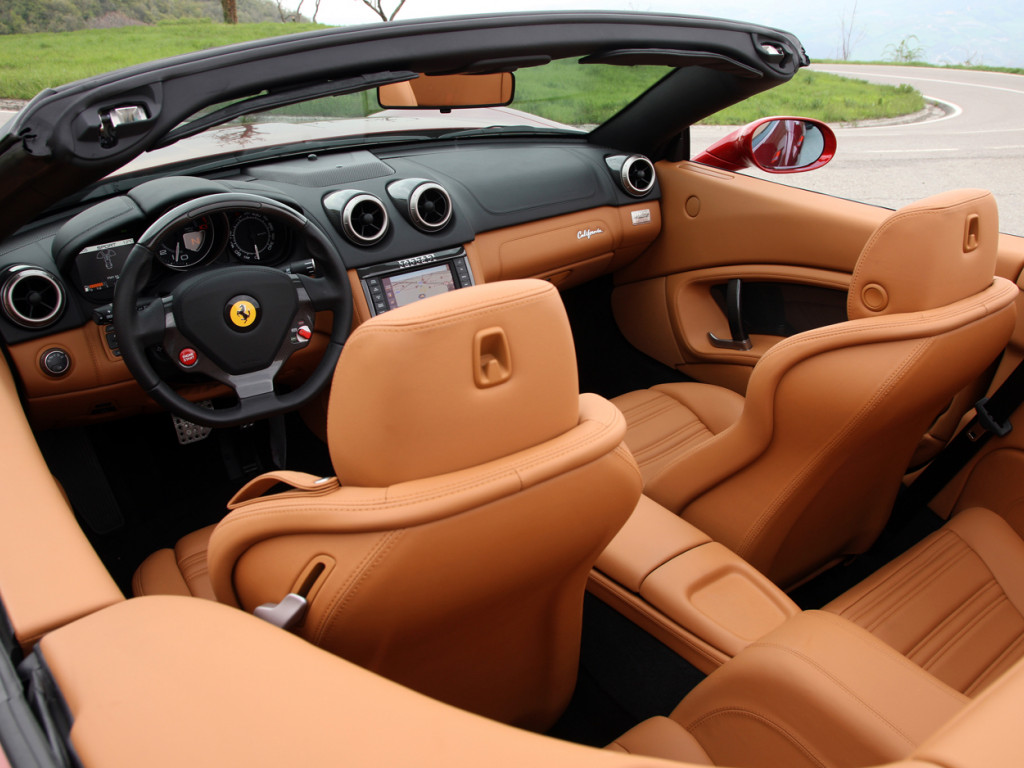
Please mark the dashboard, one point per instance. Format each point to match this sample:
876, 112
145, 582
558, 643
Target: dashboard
408, 222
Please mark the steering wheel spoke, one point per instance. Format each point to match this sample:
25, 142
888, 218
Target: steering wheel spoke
152, 322
325, 295
238, 324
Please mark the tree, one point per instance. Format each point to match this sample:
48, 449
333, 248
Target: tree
230, 11
848, 37
377, 6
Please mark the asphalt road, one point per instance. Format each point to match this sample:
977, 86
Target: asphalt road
975, 140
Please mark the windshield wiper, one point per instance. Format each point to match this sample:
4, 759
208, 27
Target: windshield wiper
282, 98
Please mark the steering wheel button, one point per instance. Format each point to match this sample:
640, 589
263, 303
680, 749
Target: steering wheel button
188, 357
304, 332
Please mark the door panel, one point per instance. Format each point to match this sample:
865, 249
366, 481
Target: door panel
792, 249
712, 218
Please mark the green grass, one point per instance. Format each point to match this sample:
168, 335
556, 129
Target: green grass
581, 94
30, 63
979, 67
826, 97
563, 91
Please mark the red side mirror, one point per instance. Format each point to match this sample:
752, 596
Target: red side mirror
775, 145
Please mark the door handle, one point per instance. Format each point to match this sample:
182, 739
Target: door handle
740, 341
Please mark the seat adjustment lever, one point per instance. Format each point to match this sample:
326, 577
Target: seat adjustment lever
285, 614
733, 313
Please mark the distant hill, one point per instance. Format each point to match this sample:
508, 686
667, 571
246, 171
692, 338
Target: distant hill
18, 16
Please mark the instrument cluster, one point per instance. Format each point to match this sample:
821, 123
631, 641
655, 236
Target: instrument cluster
246, 237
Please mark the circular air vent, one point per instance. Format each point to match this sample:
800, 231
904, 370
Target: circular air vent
364, 220
31, 297
430, 207
637, 175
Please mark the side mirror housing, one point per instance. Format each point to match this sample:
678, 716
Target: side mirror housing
775, 145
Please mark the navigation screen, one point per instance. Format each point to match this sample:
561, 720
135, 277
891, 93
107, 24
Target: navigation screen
412, 286
100, 265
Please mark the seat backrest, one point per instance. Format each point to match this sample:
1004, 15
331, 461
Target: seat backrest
832, 416
477, 488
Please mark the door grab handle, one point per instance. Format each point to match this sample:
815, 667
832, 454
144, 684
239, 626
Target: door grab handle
740, 341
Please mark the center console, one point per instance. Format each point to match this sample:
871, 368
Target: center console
695, 595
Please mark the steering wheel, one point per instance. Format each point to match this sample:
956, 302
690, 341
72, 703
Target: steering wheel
236, 324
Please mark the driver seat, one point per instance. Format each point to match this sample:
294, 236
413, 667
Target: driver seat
475, 489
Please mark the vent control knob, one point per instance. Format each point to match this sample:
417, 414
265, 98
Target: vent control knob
55, 362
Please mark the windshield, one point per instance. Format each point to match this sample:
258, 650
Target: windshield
561, 96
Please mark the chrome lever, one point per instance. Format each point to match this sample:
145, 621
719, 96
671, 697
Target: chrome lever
739, 341
741, 345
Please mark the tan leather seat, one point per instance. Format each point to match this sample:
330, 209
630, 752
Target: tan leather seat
804, 470
475, 489
953, 604
818, 691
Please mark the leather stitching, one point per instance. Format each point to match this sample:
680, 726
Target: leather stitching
373, 557
865, 639
912, 585
392, 501
764, 720
1011, 654
894, 582
982, 602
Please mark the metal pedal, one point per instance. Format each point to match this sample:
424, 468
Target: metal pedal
189, 431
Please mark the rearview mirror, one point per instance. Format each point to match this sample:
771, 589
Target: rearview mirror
449, 92
775, 145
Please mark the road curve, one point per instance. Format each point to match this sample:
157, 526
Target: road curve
979, 142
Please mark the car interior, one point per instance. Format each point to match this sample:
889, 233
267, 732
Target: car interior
504, 447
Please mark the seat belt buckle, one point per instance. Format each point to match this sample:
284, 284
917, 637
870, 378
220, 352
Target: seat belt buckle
984, 422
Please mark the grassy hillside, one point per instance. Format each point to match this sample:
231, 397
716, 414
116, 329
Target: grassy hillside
24, 16
827, 97
564, 91
30, 63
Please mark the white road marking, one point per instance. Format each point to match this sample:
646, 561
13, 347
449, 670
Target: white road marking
907, 151
847, 73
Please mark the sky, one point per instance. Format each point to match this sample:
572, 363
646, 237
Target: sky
984, 32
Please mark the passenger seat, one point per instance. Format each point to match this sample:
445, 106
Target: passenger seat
953, 604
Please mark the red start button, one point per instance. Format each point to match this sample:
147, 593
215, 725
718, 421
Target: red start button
304, 332
188, 357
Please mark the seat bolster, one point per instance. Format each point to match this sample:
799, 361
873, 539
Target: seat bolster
818, 690
717, 407
666, 423
159, 575
661, 737
178, 571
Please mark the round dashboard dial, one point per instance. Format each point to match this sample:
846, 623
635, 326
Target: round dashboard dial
189, 246
253, 239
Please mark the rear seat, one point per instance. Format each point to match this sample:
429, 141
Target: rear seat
953, 604
818, 691
872, 676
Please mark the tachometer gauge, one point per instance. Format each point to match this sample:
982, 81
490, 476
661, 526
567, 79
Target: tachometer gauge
189, 246
253, 239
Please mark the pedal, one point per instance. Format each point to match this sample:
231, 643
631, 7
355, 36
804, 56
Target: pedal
189, 431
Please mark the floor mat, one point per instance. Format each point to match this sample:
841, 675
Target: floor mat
625, 676
136, 489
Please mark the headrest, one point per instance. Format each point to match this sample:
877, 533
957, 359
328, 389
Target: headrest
926, 255
451, 382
